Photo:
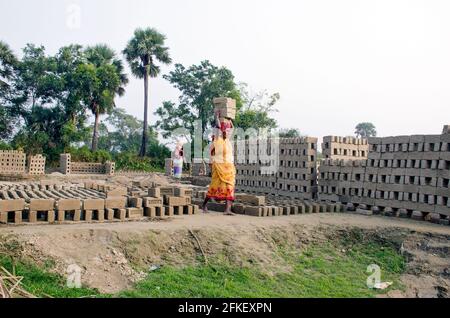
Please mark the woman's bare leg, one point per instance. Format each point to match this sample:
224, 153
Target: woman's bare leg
228, 208
205, 207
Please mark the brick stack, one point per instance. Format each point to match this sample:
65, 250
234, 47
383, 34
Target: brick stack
12, 162
285, 167
36, 165
345, 148
403, 176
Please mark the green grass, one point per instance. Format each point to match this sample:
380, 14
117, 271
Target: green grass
40, 282
320, 271
335, 269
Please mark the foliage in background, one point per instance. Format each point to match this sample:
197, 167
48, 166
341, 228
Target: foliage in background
256, 109
132, 162
198, 86
289, 133
120, 135
8, 65
365, 130
45, 101
103, 78
84, 154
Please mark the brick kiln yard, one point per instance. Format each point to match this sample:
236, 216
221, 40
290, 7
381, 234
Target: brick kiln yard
115, 251
114, 226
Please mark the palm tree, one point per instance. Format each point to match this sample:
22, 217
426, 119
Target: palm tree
109, 81
142, 51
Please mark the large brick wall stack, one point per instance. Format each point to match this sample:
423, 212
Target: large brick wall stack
297, 176
342, 180
336, 147
289, 170
250, 157
403, 175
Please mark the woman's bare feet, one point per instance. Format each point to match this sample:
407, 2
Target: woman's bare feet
229, 213
205, 209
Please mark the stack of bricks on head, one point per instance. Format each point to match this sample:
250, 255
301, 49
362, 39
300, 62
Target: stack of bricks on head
225, 107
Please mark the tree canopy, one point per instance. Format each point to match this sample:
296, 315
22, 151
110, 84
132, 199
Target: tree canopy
198, 86
365, 130
46, 100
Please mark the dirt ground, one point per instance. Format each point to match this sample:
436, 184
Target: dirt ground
114, 255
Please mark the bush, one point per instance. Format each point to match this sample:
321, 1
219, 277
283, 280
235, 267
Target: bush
84, 154
130, 161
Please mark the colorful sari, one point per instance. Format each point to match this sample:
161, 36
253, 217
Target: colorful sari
223, 171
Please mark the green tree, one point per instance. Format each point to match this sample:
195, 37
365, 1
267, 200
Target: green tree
256, 109
199, 85
365, 130
142, 52
8, 65
48, 101
122, 132
100, 80
121, 136
289, 133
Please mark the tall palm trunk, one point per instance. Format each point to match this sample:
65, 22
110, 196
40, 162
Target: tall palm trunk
143, 150
95, 134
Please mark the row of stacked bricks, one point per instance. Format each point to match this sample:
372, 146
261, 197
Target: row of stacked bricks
161, 201
174, 201
283, 166
337, 147
409, 175
258, 205
67, 166
253, 159
404, 176
91, 202
45, 202
13, 162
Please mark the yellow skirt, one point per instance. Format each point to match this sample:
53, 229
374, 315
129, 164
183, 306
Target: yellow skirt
222, 182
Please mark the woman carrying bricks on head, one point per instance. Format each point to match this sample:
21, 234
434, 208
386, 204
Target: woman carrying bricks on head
222, 166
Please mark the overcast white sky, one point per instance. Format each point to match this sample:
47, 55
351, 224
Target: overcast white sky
334, 62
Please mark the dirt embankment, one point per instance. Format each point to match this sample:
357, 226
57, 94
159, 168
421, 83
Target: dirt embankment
114, 256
